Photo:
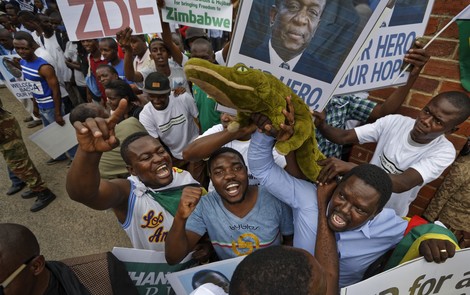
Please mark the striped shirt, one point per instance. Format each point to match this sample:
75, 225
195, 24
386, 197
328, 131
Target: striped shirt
40, 90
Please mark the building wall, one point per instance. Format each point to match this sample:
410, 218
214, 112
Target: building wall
440, 74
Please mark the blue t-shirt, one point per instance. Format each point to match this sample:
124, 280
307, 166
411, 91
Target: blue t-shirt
232, 236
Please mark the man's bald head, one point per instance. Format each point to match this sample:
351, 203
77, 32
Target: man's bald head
17, 243
87, 110
20, 254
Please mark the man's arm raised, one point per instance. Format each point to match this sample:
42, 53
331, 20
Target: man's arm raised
203, 147
166, 36
326, 251
417, 57
83, 183
333, 134
179, 241
124, 39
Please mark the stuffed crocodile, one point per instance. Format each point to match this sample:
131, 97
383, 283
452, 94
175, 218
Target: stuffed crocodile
252, 91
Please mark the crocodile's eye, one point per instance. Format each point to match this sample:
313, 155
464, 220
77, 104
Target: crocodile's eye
242, 69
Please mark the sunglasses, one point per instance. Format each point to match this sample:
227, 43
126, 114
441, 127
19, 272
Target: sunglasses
8, 280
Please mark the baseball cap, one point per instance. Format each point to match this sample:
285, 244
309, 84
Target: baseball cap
195, 33
157, 83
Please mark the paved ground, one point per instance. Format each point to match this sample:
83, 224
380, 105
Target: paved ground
65, 228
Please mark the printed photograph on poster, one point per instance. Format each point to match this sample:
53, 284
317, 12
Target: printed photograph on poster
218, 273
13, 78
307, 44
314, 45
327, 46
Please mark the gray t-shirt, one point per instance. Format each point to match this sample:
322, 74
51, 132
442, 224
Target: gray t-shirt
232, 236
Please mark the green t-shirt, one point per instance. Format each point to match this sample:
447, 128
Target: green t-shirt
208, 116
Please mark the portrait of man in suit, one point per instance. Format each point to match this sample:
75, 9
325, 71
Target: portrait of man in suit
309, 37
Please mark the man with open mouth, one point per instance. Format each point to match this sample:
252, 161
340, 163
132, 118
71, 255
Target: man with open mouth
144, 203
239, 218
413, 152
363, 229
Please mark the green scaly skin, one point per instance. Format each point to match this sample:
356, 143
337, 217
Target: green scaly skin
252, 91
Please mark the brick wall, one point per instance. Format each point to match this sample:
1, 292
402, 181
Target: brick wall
440, 74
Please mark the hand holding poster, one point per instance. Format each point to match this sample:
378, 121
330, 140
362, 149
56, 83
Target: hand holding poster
309, 52
313, 59
418, 277
381, 61
89, 19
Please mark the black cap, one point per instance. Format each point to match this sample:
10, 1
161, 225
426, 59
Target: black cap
157, 83
193, 34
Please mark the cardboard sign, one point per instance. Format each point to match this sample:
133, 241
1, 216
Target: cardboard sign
90, 19
13, 78
55, 139
419, 277
206, 14
328, 46
148, 269
186, 281
382, 59
351, 50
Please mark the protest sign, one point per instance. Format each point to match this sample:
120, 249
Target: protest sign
13, 78
55, 139
419, 277
220, 273
327, 46
382, 59
89, 19
148, 268
206, 14
320, 70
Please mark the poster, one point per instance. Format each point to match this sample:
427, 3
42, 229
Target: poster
330, 41
54, 139
419, 277
206, 14
218, 273
13, 78
381, 61
90, 19
148, 269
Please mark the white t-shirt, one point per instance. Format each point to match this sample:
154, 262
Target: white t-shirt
396, 152
64, 74
219, 58
71, 52
242, 147
42, 53
177, 77
175, 125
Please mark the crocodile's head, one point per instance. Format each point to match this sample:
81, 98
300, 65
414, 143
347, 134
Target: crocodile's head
237, 87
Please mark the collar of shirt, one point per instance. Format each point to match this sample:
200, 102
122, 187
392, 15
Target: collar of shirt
277, 60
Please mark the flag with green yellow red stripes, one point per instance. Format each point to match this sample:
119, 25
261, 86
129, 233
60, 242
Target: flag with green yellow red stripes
463, 22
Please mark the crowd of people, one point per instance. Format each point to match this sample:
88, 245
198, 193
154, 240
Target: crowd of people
154, 148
